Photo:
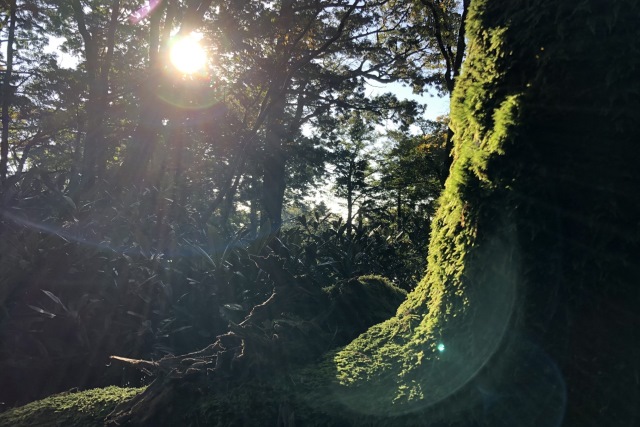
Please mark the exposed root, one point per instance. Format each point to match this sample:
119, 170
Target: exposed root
294, 326
175, 373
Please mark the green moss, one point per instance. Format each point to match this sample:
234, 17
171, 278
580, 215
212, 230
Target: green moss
82, 409
367, 299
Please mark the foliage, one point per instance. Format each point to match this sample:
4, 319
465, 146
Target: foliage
124, 113
82, 409
140, 279
375, 248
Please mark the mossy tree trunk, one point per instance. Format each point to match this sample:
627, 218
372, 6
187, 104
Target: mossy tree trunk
527, 315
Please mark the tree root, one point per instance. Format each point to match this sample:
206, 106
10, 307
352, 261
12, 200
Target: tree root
294, 326
235, 354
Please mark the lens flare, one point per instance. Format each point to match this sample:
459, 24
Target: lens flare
187, 55
144, 11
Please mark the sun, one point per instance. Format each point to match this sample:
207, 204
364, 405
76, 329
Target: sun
187, 55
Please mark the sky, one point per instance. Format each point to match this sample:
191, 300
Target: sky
65, 60
436, 105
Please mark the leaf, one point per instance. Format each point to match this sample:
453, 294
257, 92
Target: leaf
202, 252
133, 313
70, 202
55, 299
42, 311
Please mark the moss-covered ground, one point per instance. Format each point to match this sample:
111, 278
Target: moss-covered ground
73, 409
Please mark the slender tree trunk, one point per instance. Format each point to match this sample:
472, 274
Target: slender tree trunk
103, 87
399, 208
93, 163
253, 209
145, 137
93, 134
76, 158
176, 134
274, 168
274, 164
7, 95
447, 157
144, 140
228, 207
349, 226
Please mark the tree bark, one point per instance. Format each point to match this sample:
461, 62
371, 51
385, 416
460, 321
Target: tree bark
274, 168
274, 164
350, 196
7, 97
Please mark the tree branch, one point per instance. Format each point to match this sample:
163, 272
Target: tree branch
461, 44
441, 45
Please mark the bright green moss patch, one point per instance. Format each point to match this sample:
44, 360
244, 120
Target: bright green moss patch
81, 409
366, 300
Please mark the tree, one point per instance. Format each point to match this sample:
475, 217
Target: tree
6, 91
410, 175
436, 30
282, 75
96, 26
351, 164
20, 24
32, 92
508, 253
320, 58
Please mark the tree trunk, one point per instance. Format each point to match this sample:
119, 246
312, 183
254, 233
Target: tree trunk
254, 203
274, 166
7, 92
350, 196
275, 157
97, 71
145, 137
399, 208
